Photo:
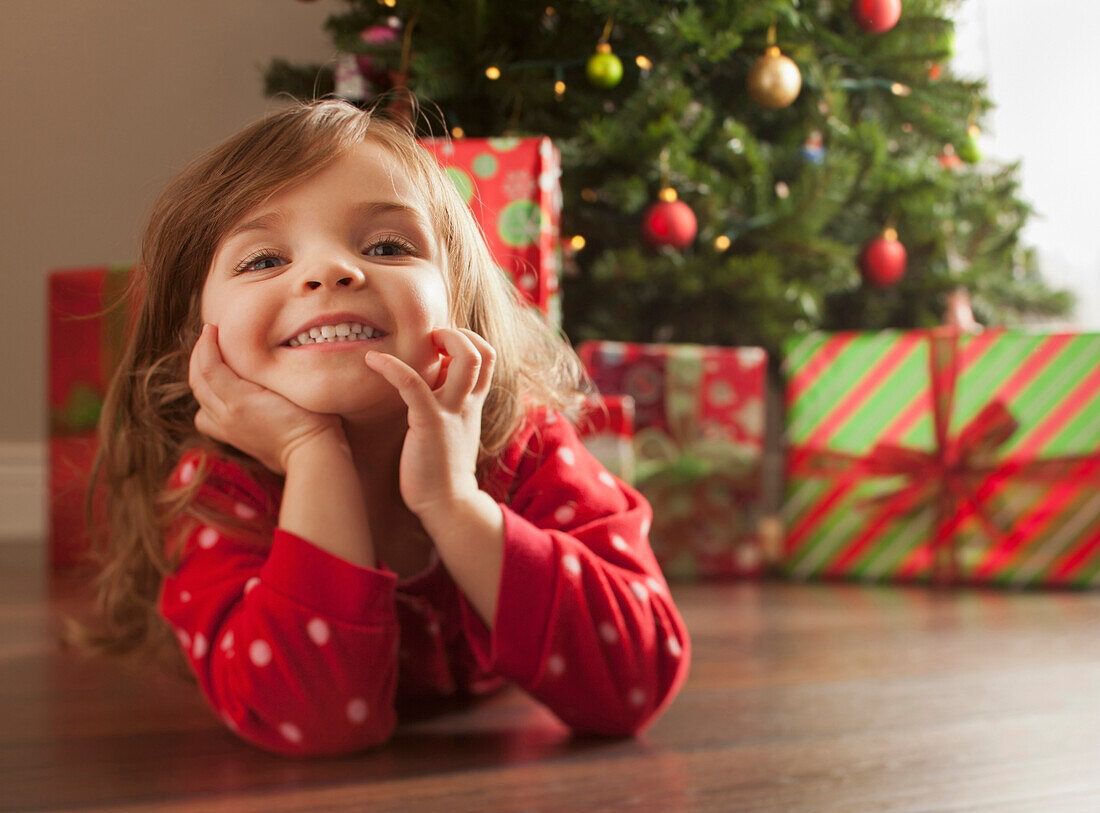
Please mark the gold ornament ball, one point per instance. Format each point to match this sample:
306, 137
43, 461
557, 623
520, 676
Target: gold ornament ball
774, 80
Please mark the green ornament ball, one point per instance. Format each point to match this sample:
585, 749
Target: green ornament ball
968, 150
604, 69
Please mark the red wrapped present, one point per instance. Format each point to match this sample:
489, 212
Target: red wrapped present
513, 186
88, 325
606, 428
941, 456
699, 439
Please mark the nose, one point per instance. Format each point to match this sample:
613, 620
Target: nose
333, 274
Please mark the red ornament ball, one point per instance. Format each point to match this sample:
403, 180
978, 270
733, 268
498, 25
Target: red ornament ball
883, 260
669, 222
876, 16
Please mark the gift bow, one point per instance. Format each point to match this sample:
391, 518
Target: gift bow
687, 452
950, 476
692, 458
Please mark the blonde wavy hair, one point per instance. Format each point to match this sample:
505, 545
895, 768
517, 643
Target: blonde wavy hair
147, 421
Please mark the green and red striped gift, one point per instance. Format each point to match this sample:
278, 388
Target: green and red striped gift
940, 456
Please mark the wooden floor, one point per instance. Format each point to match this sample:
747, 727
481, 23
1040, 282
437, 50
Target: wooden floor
801, 697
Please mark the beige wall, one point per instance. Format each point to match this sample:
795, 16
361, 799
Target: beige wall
100, 101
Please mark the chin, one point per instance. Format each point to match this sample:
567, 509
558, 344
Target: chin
347, 403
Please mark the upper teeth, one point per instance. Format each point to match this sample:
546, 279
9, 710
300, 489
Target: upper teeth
342, 332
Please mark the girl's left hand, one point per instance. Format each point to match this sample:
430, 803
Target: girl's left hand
439, 458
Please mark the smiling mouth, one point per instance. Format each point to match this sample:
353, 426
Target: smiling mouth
340, 332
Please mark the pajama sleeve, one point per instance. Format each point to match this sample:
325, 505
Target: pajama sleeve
584, 622
294, 648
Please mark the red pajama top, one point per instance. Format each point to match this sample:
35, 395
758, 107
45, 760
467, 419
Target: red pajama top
301, 652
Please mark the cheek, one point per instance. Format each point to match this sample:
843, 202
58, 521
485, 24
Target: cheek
240, 339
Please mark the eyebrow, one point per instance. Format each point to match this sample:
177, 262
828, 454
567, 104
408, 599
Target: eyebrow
263, 222
385, 207
272, 219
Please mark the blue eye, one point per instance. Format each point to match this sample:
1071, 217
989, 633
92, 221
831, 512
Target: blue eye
384, 250
389, 246
263, 261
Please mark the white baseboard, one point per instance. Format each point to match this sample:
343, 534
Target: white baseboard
22, 490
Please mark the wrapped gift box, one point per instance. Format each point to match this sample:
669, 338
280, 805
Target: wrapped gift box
513, 186
941, 456
606, 428
88, 324
698, 444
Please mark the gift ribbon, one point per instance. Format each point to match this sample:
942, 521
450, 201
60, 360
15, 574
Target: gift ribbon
686, 454
949, 476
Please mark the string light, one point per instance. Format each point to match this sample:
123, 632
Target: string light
458, 132
493, 72
721, 242
588, 195
898, 89
388, 3
643, 62
559, 88
668, 194
577, 242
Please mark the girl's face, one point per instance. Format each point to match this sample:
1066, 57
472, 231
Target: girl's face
306, 283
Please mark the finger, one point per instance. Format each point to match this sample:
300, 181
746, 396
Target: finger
206, 425
465, 366
413, 389
488, 360
214, 380
202, 368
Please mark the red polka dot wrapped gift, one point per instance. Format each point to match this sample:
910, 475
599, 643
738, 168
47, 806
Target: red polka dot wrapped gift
513, 186
698, 446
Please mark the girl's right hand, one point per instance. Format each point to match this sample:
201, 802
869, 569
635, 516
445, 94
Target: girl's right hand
236, 411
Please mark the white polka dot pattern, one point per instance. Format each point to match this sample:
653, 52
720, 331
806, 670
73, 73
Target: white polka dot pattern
207, 538
187, 472
260, 652
198, 645
185, 596
290, 732
318, 631
227, 641
639, 591
605, 478
565, 514
619, 544
674, 648
555, 665
609, 633
567, 456
653, 585
251, 584
357, 710
571, 563
245, 511
637, 698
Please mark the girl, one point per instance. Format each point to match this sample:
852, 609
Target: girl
337, 468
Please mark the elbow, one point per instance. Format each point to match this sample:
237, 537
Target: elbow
292, 741
620, 724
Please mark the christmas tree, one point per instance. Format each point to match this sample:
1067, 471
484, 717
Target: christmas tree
738, 171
